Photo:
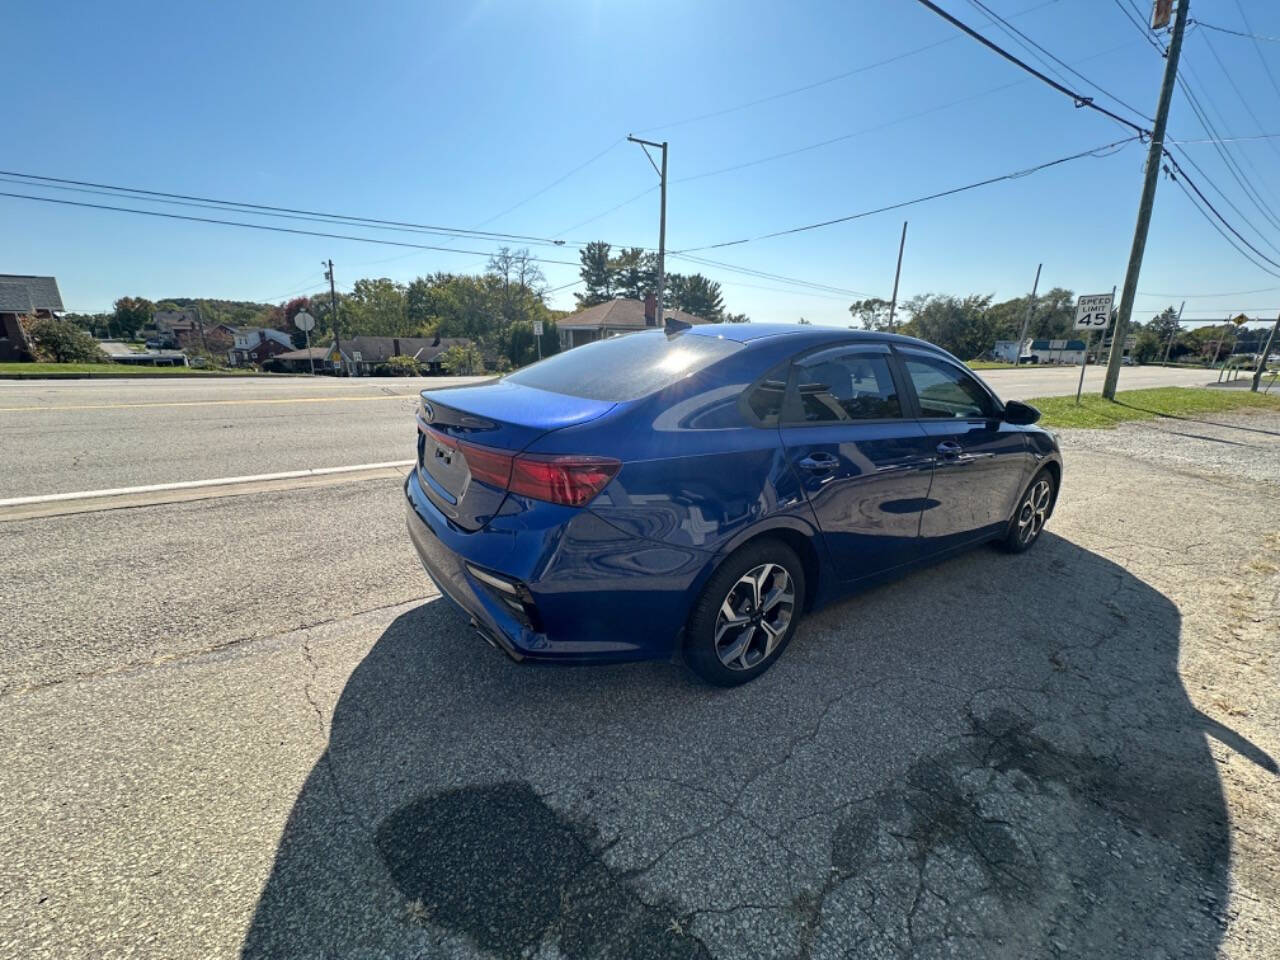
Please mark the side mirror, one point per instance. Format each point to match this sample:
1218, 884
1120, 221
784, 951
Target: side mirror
1022, 414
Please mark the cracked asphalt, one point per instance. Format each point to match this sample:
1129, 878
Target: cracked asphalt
245, 727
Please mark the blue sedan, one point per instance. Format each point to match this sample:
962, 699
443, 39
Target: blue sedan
694, 492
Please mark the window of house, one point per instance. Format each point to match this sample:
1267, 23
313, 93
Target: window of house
947, 391
845, 385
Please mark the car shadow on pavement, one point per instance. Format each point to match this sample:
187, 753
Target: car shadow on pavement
992, 758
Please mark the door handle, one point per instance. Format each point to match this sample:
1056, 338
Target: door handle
949, 449
819, 462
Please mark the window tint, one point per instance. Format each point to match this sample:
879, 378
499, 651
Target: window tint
835, 387
626, 367
947, 391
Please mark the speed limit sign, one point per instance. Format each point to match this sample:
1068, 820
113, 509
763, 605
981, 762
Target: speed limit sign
1093, 311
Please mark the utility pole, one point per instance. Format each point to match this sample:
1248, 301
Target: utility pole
1174, 333
1026, 320
893, 304
1139, 247
1266, 352
333, 306
662, 217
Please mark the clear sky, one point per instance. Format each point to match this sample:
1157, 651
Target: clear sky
452, 113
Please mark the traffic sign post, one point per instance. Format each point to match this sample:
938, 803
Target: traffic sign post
306, 323
1093, 312
537, 336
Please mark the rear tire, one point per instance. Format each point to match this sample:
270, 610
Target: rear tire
1028, 520
746, 614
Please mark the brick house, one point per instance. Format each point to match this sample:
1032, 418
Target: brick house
24, 296
253, 346
611, 318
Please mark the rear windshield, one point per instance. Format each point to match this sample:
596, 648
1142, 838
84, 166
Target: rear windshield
625, 367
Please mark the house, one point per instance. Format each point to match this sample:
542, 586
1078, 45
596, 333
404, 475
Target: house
361, 355
611, 318
24, 296
185, 330
255, 345
312, 359
1057, 351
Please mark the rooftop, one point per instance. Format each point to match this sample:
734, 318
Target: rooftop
20, 293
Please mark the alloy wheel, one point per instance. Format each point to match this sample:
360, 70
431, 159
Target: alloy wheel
754, 616
1034, 512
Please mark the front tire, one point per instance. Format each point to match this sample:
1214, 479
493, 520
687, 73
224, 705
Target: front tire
1029, 518
746, 614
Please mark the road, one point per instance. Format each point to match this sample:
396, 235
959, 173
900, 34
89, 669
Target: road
247, 726
78, 435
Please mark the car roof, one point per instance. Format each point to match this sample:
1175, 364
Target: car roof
804, 335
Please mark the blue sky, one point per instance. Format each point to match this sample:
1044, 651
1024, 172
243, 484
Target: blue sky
451, 113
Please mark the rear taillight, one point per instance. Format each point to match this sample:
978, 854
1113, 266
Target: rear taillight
557, 478
570, 480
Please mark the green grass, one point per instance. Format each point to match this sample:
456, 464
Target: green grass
989, 365
1095, 412
25, 370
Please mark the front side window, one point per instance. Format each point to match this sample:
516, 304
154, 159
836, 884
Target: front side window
945, 391
839, 386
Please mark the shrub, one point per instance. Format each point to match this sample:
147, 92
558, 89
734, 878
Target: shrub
61, 341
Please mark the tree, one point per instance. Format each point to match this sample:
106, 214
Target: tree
132, 314
377, 308
965, 326
97, 324
872, 313
596, 274
54, 340
695, 294
635, 273
736, 318
462, 359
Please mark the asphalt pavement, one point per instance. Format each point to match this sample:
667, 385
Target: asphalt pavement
247, 726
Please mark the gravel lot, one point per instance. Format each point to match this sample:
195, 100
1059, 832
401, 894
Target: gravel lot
1070, 753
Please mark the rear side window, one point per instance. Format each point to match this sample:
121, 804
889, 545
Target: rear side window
946, 391
627, 367
843, 386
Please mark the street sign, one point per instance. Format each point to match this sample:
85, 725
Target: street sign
1093, 311
537, 328
304, 321
1131, 341
1239, 319
1161, 11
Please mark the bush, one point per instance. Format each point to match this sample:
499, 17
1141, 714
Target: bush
398, 367
61, 341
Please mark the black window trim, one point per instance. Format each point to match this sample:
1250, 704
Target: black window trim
903, 351
880, 348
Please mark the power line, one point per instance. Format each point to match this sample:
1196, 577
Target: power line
265, 226
1228, 293
244, 207
1233, 167
1240, 213
1014, 175
1029, 43
844, 75
765, 275
1217, 220
1079, 99
1235, 33
552, 184
1146, 34
1243, 100
1253, 38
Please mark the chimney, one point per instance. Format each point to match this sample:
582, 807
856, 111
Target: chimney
650, 310
395, 346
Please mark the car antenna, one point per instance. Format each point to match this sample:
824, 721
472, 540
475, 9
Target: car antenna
671, 325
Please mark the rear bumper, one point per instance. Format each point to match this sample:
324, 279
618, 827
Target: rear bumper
600, 595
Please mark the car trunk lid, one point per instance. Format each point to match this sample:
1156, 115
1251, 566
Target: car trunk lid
466, 436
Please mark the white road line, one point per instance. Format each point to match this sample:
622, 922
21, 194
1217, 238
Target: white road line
196, 484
